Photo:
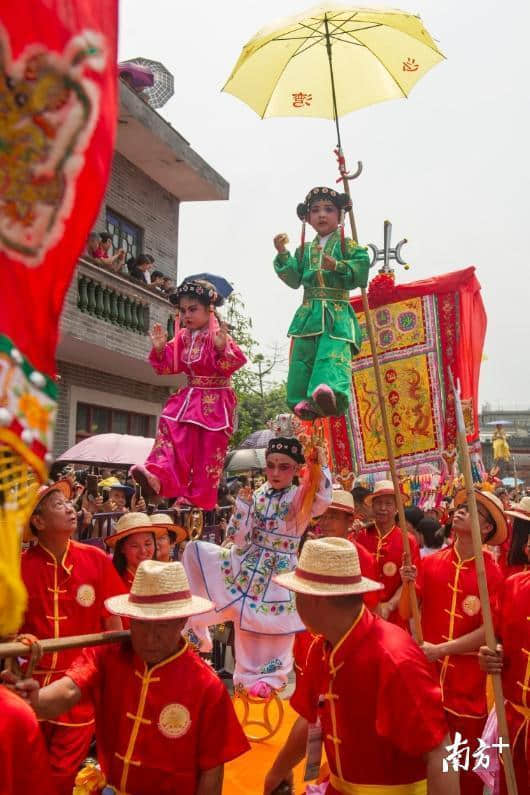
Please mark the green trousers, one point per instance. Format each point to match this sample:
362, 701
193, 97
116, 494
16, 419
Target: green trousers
320, 360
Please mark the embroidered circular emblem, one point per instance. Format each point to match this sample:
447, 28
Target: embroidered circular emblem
174, 721
86, 595
389, 569
471, 605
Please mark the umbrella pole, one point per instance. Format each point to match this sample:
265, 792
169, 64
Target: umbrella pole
511, 783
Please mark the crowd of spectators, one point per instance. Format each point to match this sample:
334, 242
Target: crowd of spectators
140, 269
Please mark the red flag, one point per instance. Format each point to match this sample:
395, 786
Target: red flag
58, 108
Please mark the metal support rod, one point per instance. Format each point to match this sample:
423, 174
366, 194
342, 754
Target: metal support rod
491, 640
333, 92
416, 620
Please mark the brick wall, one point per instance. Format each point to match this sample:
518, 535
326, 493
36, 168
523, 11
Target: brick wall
76, 375
144, 202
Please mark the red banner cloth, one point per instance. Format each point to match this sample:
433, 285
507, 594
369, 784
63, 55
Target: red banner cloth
58, 93
463, 352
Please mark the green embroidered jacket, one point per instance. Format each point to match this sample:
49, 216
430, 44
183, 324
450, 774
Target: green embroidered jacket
326, 308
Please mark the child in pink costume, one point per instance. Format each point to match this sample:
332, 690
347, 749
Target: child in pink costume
196, 423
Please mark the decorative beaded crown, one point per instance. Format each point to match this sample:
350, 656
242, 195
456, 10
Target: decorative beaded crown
287, 445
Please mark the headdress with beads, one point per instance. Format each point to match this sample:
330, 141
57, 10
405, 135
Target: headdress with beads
341, 201
193, 287
287, 445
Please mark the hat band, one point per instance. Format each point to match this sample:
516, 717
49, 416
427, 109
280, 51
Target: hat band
174, 596
330, 579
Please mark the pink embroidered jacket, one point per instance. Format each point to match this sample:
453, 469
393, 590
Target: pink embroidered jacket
208, 399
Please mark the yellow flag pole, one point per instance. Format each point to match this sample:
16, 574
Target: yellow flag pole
491, 641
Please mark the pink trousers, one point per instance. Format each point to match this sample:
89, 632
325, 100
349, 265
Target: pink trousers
188, 460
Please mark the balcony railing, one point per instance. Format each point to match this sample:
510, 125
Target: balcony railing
119, 300
111, 305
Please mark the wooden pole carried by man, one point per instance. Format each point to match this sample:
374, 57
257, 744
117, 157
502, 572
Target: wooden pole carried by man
491, 641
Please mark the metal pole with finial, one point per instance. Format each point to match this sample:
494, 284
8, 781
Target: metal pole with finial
465, 457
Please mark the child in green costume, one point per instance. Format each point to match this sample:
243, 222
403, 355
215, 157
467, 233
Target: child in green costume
325, 331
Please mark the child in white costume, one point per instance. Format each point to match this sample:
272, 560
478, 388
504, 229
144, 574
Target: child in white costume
265, 532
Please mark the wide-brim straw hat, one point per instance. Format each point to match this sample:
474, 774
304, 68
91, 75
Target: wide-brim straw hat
521, 510
160, 592
328, 567
131, 523
63, 486
382, 488
342, 500
493, 506
163, 520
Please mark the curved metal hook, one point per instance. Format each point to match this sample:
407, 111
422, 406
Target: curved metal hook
398, 251
375, 252
358, 172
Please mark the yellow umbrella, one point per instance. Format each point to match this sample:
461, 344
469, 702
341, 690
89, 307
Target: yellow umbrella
331, 60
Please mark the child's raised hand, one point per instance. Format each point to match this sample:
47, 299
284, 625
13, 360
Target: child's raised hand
280, 241
158, 337
221, 337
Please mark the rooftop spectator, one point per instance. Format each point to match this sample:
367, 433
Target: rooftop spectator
168, 285
141, 270
157, 280
102, 254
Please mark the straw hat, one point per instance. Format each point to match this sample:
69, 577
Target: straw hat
63, 486
164, 521
381, 489
328, 567
342, 501
131, 523
521, 510
160, 592
493, 506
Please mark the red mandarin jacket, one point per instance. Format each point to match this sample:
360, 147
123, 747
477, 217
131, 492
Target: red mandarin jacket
388, 555
24, 766
512, 625
157, 728
378, 702
450, 609
64, 599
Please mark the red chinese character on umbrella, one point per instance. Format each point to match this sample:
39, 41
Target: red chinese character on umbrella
300, 99
410, 65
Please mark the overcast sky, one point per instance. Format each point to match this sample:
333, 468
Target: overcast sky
449, 166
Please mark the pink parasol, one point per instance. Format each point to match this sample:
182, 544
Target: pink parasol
109, 448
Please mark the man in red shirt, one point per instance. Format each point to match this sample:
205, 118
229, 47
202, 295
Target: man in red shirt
164, 721
67, 584
24, 765
367, 684
512, 659
452, 620
384, 540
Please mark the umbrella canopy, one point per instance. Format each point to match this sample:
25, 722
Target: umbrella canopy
511, 482
223, 287
110, 448
500, 422
163, 87
377, 55
245, 460
257, 440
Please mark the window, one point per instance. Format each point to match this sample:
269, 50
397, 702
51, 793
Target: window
125, 234
91, 420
